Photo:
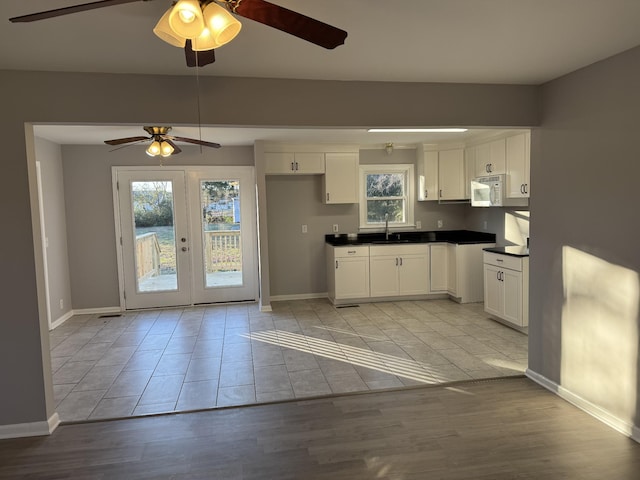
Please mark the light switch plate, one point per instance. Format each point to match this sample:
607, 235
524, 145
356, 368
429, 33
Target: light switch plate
335, 228
304, 229
418, 225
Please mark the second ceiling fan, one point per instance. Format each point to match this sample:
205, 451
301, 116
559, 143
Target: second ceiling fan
201, 26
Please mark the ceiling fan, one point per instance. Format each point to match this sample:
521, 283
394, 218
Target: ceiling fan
162, 143
200, 26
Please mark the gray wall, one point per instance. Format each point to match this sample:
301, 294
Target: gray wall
585, 256
104, 98
53, 199
90, 218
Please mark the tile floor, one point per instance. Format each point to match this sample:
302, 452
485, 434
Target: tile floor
212, 356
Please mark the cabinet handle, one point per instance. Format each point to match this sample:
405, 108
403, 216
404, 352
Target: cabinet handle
296, 165
498, 276
440, 193
426, 194
396, 261
351, 252
526, 188
400, 261
327, 196
336, 264
499, 260
292, 169
522, 188
486, 168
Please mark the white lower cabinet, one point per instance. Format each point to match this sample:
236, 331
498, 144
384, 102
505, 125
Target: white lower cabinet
348, 272
506, 288
399, 270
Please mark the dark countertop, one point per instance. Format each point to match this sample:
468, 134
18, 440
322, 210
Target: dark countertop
512, 250
448, 236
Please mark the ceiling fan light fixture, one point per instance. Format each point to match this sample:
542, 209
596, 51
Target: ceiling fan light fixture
186, 19
221, 24
205, 41
154, 149
164, 32
166, 149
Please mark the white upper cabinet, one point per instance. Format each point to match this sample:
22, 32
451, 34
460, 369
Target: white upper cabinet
340, 181
491, 158
518, 160
427, 163
288, 163
451, 174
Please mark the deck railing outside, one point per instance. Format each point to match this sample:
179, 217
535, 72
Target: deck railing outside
147, 255
223, 251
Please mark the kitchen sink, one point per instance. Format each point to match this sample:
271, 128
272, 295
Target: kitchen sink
394, 240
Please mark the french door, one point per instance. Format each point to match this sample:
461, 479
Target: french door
186, 235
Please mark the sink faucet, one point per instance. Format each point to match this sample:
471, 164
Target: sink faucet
386, 226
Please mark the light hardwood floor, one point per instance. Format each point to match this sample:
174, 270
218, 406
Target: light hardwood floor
506, 428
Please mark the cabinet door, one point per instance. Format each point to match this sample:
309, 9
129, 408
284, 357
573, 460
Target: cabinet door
518, 166
469, 169
427, 176
452, 270
384, 275
279, 163
491, 158
351, 277
438, 267
309, 163
413, 274
451, 174
493, 291
512, 290
341, 178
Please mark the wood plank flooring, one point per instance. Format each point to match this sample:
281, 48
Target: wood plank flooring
508, 428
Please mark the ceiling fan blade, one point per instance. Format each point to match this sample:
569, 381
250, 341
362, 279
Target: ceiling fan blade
198, 59
196, 142
291, 22
176, 148
120, 141
58, 12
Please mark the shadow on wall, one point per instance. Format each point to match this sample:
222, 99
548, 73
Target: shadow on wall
599, 356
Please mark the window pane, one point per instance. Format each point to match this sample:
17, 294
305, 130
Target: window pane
385, 185
376, 210
220, 202
155, 252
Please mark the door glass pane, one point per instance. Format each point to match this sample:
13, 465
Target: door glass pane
155, 243
220, 203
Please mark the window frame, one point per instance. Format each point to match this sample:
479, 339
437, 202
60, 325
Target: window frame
409, 194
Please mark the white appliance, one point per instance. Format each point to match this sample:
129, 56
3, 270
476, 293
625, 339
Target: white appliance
488, 191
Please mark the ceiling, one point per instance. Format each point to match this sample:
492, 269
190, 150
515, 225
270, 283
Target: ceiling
477, 41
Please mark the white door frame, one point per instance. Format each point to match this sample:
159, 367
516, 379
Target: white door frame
250, 259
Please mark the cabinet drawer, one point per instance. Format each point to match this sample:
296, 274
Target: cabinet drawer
351, 251
503, 261
402, 249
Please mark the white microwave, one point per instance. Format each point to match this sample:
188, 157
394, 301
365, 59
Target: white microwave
488, 191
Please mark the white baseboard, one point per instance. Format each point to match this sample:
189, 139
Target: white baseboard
592, 409
301, 296
32, 429
62, 319
84, 311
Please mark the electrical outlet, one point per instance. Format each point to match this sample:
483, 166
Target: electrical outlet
304, 229
485, 225
439, 223
418, 225
335, 228
61, 304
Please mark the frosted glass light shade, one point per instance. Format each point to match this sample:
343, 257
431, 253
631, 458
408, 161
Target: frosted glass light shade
223, 26
186, 19
164, 32
166, 149
154, 149
203, 42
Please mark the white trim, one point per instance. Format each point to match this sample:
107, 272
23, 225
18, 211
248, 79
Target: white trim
622, 426
300, 296
408, 170
33, 429
84, 311
266, 308
45, 253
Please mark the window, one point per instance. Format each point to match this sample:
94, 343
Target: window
386, 190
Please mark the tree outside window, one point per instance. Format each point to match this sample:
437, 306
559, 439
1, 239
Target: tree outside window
386, 190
